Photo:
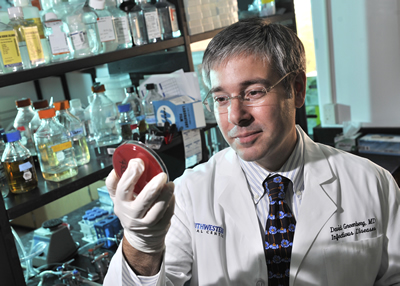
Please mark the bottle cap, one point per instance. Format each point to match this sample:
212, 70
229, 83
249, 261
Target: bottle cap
153, 164
23, 102
15, 12
21, 3
50, 16
12, 136
150, 86
124, 107
61, 105
98, 87
97, 4
130, 89
47, 113
40, 104
75, 103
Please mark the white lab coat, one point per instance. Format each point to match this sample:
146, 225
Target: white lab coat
347, 232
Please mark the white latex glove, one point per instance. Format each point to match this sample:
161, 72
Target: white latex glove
146, 218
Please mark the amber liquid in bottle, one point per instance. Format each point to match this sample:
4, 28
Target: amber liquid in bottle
20, 177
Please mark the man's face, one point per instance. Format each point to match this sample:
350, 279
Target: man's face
261, 133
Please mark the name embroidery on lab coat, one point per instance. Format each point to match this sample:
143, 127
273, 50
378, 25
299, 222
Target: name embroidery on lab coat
209, 229
349, 229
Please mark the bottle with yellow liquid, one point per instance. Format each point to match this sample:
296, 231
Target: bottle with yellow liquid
54, 147
18, 164
76, 129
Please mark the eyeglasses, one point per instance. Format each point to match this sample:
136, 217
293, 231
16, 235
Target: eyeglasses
252, 97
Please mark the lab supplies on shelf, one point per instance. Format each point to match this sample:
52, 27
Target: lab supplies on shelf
24, 116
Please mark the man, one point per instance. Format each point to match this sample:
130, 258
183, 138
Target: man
343, 210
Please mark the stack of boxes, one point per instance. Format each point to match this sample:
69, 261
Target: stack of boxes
207, 15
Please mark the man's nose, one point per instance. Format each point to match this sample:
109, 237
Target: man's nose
238, 113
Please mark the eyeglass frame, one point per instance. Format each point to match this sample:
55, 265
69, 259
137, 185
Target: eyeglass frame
240, 97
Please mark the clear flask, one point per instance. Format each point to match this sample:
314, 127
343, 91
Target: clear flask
128, 123
35, 122
121, 25
83, 47
18, 164
10, 55
60, 50
105, 26
168, 20
76, 130
147, 103
88, 121
77, 110
132, 97
21, 122
104, 118
144, 22
88, 17
55, 151
3, 179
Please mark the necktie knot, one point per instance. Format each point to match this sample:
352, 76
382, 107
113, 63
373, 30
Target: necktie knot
276, 187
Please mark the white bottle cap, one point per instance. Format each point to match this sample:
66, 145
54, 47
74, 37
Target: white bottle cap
50, 16
75, 103
15, 12
97, 4
21, 3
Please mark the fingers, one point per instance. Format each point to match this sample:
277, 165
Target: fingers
112, 183
129, 179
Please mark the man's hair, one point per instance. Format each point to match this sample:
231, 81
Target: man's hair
274, 44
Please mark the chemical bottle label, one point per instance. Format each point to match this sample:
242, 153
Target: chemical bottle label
40, 27
111, 119
76, 132
122, 28
58, 39
79, 40
9, 49
266, 1
25, 166
106, 29
61, 147
152, 25
60, 156
34, 45
174, 20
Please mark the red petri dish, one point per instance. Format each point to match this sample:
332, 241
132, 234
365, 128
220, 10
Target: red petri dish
153, 165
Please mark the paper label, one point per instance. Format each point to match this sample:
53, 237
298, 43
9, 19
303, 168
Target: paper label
58, 39
122, 28
60, 156
9, 49
174, 20
192, 144
106, 29
25, 166
152, 25
79, 40
61, 147
33, 44
40, 27
76, 132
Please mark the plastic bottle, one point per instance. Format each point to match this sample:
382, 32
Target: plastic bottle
55, 150
24, 116
88, 121
76, 129
121, 25
10, 55
3, 179
147, 103
168, 20
144, 23
129, 124
104, 118
35, 122
105, 26
136, 107
31, 13
18, 164
77, 110
57, 38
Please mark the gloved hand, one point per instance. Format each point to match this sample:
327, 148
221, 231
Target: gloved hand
146, 218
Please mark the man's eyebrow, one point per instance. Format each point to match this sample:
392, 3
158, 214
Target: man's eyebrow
245, 84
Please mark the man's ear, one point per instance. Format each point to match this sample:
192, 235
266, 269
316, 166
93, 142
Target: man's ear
300, 89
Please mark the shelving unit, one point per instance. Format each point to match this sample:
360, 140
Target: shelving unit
99, 166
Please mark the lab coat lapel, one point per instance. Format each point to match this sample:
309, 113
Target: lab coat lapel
318, 202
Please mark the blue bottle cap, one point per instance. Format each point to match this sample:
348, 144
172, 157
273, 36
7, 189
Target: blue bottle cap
124, 107
91, 217
88, 212
12, 136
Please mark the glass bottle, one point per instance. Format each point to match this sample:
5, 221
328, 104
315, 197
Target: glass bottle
76, 129
35, 122
147, 103
79, 36
10, 55
121, 25
55, 151
88, 121
105, 26
18, 164
136, 107
31, 14
168, 20
21, 122
128, 123
57, 38
3, 179
77, 110
104, 119
145, 24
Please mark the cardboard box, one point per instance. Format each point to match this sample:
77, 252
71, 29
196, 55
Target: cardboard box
379, 144
183, 111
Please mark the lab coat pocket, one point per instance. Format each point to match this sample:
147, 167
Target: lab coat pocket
353, 263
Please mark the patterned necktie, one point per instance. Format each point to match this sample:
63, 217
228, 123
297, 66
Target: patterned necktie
279, 231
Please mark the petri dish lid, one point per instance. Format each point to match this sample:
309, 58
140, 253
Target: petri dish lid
153, 165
